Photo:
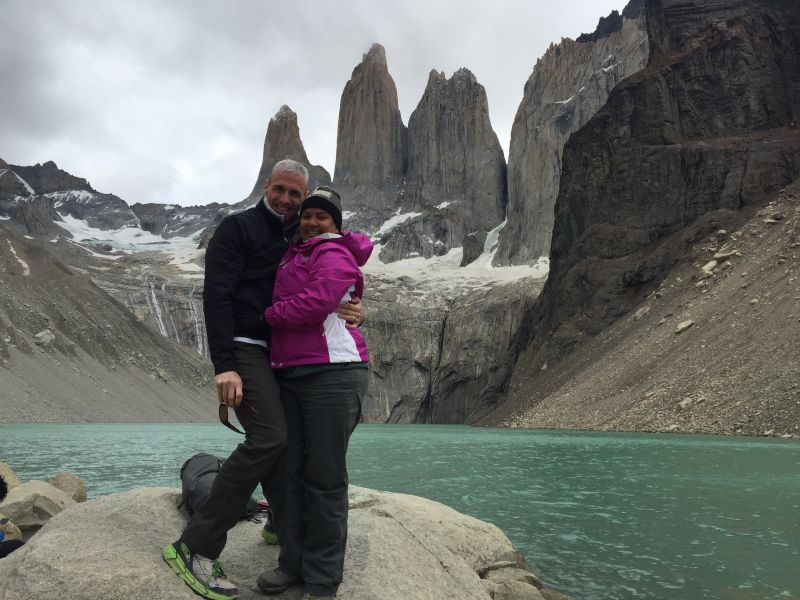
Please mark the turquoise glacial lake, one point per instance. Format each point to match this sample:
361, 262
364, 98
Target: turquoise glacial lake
598, 515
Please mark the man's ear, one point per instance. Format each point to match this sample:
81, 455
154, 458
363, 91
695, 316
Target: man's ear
266, 185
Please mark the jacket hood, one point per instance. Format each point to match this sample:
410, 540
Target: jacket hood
358, 244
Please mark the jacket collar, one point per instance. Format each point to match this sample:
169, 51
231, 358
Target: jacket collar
289, 226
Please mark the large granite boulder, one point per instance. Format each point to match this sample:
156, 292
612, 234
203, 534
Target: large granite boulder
33, 503
9, 476
456, 177
711, 125
569, 84
371, 143
398, 547
71, 484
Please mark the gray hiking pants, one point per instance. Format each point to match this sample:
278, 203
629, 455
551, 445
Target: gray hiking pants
322, 409
253, 461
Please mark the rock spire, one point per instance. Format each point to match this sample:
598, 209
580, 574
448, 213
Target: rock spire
371, 141
456, 171
283, 141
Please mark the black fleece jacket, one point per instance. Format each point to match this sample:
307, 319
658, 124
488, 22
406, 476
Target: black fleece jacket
241, 261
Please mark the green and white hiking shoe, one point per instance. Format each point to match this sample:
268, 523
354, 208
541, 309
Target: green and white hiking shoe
202, 574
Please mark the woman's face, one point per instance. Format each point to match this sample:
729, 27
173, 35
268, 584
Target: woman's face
314, 221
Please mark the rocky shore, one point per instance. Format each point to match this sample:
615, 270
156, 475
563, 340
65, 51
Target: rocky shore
399, 546
713, 349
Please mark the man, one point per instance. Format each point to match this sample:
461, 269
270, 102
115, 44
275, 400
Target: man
241, 261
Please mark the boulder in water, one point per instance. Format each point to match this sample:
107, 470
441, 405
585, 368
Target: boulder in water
71, 484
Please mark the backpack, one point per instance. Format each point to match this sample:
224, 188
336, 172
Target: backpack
197, 477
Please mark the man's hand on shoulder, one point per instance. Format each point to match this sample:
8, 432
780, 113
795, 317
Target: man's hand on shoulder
229, 388
352, 312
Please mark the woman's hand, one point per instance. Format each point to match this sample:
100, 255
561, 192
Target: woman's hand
352, 312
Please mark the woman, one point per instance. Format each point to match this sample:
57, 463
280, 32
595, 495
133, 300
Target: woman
321, 366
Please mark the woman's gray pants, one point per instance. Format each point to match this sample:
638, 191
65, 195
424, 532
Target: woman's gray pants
322, 409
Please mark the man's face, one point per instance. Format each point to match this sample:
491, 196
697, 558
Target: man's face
285, 192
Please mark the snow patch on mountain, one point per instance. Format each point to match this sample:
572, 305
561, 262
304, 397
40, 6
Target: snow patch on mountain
490, 247
444, 275
394, 221
28, 188
26, 271
94, 253
81, 196
184, 259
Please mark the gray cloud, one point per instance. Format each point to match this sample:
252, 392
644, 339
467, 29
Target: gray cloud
169, 101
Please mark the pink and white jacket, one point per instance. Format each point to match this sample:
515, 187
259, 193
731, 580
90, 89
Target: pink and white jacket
313, 278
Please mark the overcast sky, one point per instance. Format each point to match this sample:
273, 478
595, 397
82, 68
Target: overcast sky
168, 101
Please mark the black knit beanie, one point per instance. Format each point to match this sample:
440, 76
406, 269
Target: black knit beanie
328, 200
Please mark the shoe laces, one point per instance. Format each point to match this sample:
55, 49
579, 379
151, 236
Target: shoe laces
216, 569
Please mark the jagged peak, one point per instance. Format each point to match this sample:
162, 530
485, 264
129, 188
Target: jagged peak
436, 77
3, 164
634, 9
464, 73
284, 113
605, 27
50, 165
376, 54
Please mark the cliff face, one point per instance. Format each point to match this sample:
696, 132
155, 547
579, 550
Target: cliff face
456, 171
440, 358
283, 141
371, 142
569, 84
711, 125
476, 354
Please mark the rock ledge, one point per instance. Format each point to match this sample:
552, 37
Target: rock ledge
399, 547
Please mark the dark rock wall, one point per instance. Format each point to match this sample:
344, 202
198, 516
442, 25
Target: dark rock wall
101, 211
48, 178
711, 124
476, 355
